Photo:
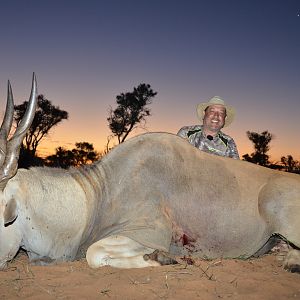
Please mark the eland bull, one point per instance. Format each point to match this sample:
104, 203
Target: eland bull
155, 193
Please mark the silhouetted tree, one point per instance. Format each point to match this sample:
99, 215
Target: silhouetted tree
261, 145
62, 158
47, 116
131, 111
27, 159
84, 153
290, 164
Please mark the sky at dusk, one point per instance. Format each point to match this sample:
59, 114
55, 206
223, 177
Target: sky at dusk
85, 53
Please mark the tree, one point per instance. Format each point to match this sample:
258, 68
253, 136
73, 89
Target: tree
261, 145
131, 111
47, 116
84, 153
290, 164
63, 158
27, 160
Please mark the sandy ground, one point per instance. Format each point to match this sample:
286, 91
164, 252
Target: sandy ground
262, 278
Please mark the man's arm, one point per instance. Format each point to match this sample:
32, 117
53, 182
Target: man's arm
232, 149
183, 132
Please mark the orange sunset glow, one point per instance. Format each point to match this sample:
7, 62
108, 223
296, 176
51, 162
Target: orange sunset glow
85, 55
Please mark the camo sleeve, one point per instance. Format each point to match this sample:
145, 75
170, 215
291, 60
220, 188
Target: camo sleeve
183, 132
232, 150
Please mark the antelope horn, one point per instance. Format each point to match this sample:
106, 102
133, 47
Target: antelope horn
6, 124
10, 164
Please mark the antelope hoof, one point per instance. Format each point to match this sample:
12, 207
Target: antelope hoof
161, 257
292, 261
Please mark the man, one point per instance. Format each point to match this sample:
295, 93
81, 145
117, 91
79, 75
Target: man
209, 137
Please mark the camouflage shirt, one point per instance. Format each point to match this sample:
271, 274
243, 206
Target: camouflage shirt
222, 144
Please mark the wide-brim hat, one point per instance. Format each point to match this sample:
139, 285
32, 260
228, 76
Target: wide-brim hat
230, 111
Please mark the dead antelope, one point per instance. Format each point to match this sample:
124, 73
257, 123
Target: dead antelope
153, 192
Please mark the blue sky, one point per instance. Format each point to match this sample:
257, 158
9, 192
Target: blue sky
86, 52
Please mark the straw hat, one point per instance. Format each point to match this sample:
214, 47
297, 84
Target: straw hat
230, 111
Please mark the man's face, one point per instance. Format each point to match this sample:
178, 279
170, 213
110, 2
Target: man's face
214, 118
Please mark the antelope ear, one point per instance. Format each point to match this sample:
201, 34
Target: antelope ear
10, 212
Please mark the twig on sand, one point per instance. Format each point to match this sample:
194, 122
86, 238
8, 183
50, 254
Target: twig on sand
181, 272
105, 292
167, 285
209, 277
28, 270
234, 280
217, 263
133, 281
